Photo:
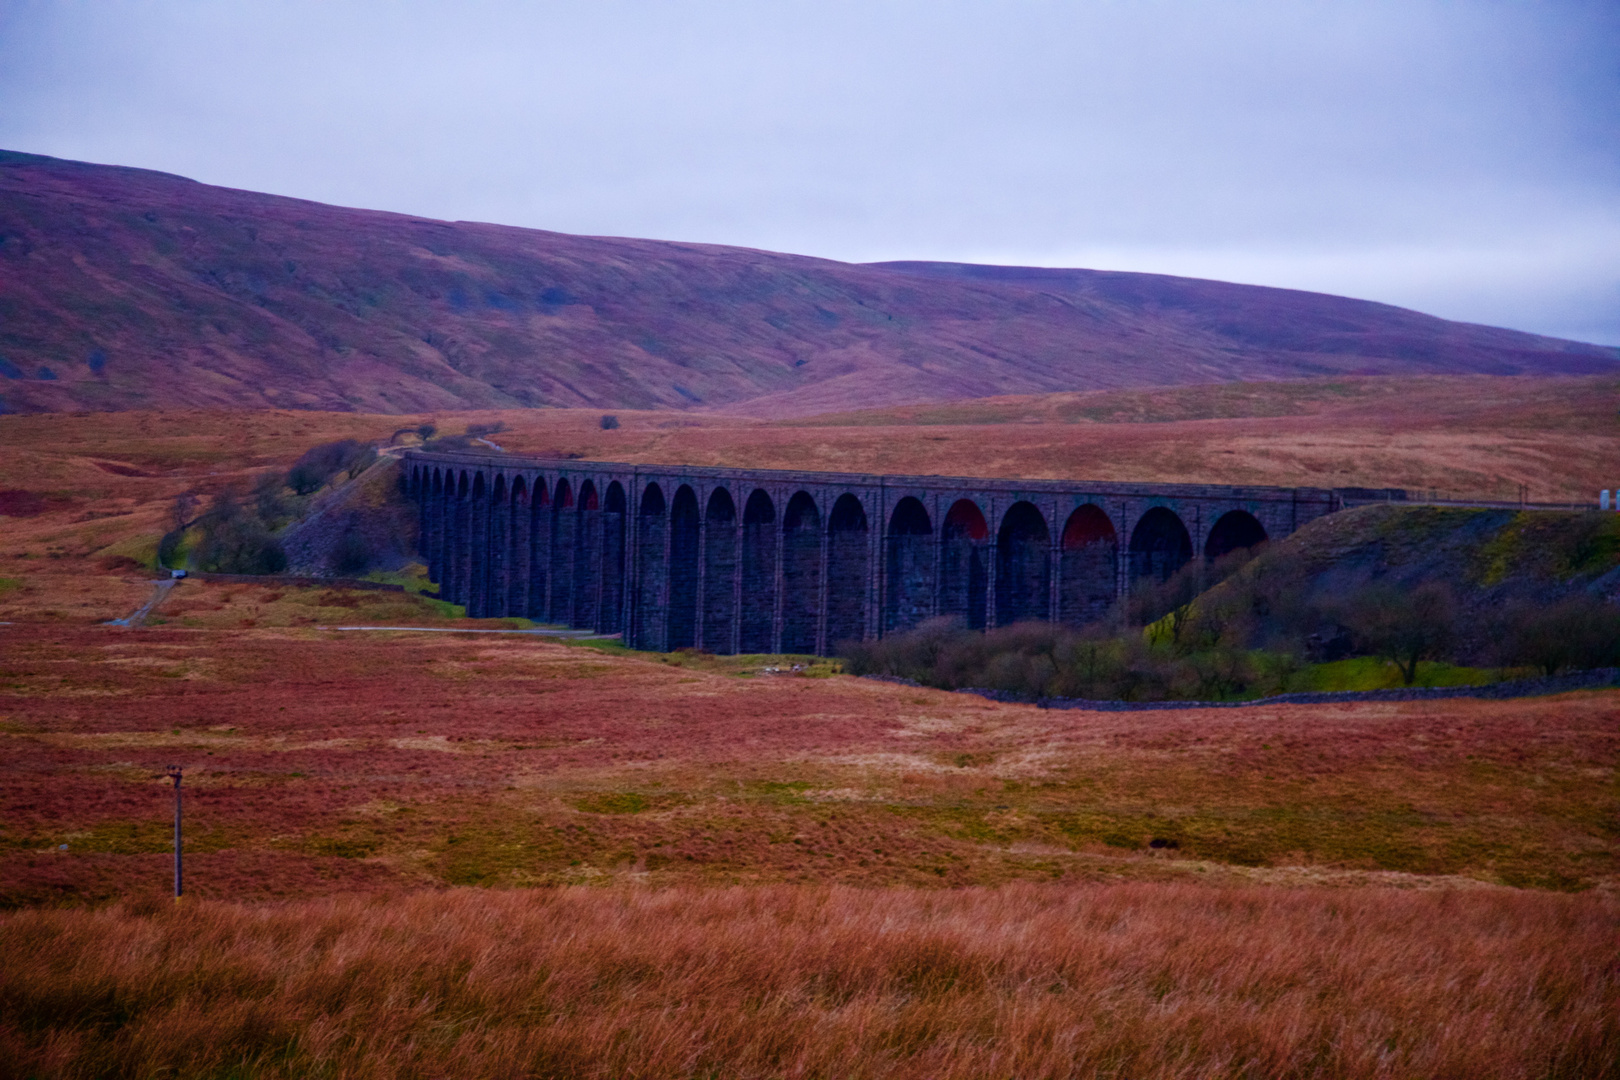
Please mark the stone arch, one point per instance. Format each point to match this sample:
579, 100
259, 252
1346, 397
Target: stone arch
683, 568
652, 500
587, 561
720, 573
1023, 566
433, 526
540, 533
564, 533
518, 541
540, 500
652, 568
610, 615
499, 516
801, 574
909, 566
757, 616
1159, 545
848, 556
964, 573
1234, 531
458, 546
1088, 566
478, 562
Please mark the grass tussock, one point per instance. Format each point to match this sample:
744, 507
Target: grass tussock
1024, 981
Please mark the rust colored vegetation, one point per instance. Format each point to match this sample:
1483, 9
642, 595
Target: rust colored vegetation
1026, 981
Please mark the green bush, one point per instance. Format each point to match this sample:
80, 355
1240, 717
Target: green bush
236, 542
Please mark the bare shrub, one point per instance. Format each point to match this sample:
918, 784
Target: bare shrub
320, 463
1403, 625
183, 511
1577, 632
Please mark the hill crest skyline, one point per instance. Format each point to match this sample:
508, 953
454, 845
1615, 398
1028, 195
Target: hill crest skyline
128, 288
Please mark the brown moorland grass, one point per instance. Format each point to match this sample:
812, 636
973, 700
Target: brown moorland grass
1023, 981
93, 490
320, 762
937, 885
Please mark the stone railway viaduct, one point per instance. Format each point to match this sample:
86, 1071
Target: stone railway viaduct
768, 561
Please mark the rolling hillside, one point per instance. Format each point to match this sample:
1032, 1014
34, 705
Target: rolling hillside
123, 288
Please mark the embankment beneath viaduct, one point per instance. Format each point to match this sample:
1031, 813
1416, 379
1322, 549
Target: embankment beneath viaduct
756, 560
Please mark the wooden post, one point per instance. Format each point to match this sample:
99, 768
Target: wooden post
174, 772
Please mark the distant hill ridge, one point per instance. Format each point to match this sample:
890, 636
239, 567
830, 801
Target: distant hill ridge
125, 288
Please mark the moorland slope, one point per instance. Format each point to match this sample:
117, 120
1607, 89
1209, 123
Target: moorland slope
124, 288
103, 486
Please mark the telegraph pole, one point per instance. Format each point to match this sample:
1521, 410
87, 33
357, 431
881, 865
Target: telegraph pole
174, 772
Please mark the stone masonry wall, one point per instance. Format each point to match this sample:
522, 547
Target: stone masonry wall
732, 560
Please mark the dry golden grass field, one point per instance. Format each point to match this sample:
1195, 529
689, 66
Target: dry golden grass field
423, 855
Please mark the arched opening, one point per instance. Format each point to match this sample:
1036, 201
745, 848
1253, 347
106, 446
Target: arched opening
720, 573
564, 529
458, 546
652, 576
964, 573
1023, 566
539, 550
587, 557
610, 617
1159, 545
909, 569
801, 574
683, 569
415, 492
1088, 567
758, 603
478, 548
434, 528
499, 514
517, 557
848, 558
1234, 531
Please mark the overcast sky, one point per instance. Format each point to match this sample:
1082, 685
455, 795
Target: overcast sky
1462, 158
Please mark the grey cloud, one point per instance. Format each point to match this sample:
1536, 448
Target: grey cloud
1463, 159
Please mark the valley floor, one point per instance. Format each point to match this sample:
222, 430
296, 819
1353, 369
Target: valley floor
422, 854
746, 874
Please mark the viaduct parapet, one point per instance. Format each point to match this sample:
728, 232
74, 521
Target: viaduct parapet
768, 561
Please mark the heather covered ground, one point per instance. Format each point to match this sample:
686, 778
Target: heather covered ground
126, 288
428, 855
321, 761
415, 854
